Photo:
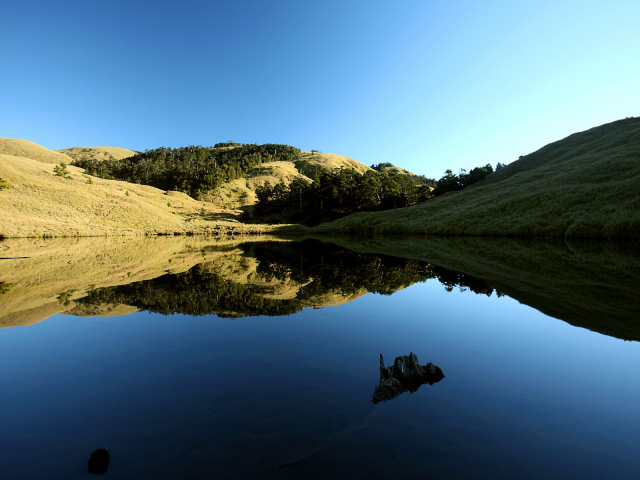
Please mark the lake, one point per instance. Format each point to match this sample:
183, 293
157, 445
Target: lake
258, 358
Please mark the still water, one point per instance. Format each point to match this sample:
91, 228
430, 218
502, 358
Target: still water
260, 359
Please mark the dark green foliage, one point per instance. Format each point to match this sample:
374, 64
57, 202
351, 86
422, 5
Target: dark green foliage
421, 179
451, 182
5, 287
193, 170
382, 166
200, 291
3, 184
335, 194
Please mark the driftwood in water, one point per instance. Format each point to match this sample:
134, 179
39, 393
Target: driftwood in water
406, 375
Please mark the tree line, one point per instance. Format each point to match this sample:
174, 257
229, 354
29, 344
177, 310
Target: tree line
194, 170
334, 194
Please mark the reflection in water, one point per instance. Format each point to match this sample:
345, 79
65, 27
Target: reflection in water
99, 461
315, 274
591, 285
405, 375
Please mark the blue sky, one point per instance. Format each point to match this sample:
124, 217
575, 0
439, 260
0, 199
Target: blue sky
426, 85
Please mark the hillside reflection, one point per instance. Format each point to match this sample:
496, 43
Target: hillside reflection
285, 278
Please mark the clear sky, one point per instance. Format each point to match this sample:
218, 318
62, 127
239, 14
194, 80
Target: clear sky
426, 85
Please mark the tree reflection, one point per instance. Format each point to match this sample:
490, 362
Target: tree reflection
316, 268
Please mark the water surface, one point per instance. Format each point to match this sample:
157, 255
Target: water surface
259, 360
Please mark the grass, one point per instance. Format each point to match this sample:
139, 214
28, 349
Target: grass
24, 148
588, 284
39, 204
97, 153
586, 185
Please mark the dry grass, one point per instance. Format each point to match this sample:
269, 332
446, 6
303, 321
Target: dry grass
24, 148
310, 163
97, 153
39, 204
587, 185
588, 284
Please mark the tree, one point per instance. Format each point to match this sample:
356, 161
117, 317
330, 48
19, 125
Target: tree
60, 170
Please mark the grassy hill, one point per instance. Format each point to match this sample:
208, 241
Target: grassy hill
37, 203
241, 192
586, 185
24, 148
97, 153
310, 163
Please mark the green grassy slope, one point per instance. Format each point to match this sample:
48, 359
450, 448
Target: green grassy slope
586, 185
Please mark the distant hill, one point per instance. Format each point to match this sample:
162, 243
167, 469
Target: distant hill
24, 148
241, 192
98, 153
586, 185
310, 163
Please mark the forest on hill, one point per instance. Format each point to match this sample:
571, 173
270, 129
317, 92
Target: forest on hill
334, 194
194, 170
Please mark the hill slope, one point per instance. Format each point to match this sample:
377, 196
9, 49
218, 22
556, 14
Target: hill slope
24, 148
37, 204
98, 153
242, 191
586, 185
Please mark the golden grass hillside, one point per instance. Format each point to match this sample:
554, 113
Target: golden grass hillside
587, 185
311, 163
97, 153
24, 148
38, 204
242, 191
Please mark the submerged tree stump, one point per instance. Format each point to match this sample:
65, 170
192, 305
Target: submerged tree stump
406, 375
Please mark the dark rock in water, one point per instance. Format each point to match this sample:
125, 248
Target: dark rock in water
99, 461
406, 375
